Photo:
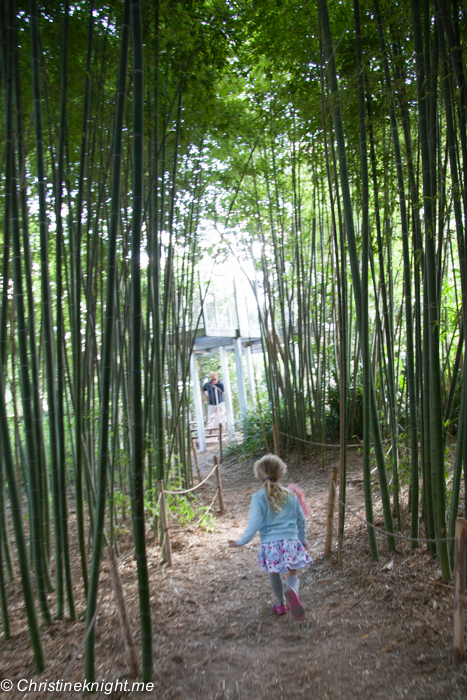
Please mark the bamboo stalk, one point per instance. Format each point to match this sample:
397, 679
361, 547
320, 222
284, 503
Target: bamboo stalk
38, 549
275, 436
433, 377
408, 304
368, 389
123, 617
63, 511
354, 261
107, 346
16, 512
139, 531
459, 590
75, 303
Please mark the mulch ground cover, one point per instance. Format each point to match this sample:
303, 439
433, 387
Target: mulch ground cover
372, 630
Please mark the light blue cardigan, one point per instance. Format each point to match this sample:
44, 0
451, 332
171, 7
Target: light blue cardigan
288, 524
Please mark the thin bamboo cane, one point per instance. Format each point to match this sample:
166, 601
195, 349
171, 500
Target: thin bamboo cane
451, 146
324, 18
433, 335
136, 333
3, 597
408, 294
46, 302
125, 625
108, 339
459, 590
36, 522
34, 365
65, 550
17, 517
75, 307
364, 310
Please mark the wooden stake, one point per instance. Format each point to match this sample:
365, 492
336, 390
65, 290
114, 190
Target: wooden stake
165, 524
195, 457
330, 513
220, 443
459, 590
122, 611
275, 436
219, 485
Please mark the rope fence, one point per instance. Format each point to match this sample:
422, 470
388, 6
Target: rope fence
321, 444
310, 442
460, 548
381, 531
460, 541
179, 493
114, 576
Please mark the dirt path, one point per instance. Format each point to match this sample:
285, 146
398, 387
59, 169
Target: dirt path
373, 630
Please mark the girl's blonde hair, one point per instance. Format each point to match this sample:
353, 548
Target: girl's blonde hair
269, 469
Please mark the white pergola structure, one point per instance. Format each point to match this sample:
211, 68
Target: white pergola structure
224, 344
211, 339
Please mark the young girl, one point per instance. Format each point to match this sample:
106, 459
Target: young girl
277, 514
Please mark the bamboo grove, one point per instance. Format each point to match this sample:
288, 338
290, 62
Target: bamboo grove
326, 145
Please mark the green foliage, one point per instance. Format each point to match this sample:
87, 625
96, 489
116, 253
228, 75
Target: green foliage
122, 504
451, 426
255, 427
185, 508
251, 181
354, 411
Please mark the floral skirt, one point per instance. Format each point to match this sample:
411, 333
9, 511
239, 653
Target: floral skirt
280, 556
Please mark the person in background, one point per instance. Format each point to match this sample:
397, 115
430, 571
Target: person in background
214, 395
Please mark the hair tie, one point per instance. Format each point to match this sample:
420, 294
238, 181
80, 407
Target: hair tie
268, 478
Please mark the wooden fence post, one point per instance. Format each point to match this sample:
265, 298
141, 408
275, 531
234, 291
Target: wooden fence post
275, 437
195, 457
165, 523
330, 512
459, 590
220, 444
122, 611
219, 485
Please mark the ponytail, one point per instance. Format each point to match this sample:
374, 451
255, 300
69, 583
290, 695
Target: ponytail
269, 469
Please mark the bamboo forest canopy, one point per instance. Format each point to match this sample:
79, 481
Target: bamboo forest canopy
320, 149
